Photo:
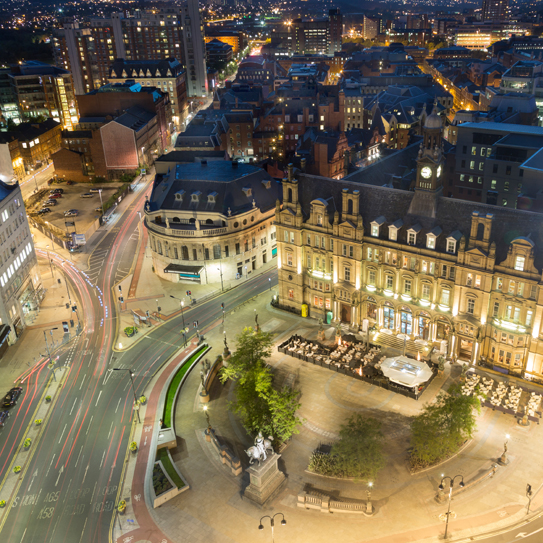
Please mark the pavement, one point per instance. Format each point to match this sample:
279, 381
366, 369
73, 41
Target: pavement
405, 504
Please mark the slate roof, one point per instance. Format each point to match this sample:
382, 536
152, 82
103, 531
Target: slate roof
6, 190
219, 177
521, 140
452, 214
191, 156
135, 118
28, 131
168, 67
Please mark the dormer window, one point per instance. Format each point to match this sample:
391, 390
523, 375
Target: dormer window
319, 219
393, 230
431, 237
451, 246
375, 225
412, 234
212, 197
247, 191
179, 195
195, 196
267, 183
519, 263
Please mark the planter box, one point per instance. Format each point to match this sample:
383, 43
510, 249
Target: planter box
174, 491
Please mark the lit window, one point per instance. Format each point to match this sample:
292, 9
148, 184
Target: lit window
519, 263
471, 306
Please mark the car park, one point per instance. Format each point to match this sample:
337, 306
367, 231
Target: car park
12, 396
44, 210
56, 195
3, 417
87, 195
71, 213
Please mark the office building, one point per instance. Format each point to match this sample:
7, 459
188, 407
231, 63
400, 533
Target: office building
495, 10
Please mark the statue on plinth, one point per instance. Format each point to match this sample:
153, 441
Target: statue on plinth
260, 449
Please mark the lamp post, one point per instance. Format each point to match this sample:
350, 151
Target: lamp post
503, 461
51, 234
219, 269
369, 507
272, 523
451, 484
182, 302
207, 418
50, 261
529, 494
226, 349
47, 347
131, 373
101, 202
256, 321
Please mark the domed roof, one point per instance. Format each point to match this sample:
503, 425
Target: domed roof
433, 120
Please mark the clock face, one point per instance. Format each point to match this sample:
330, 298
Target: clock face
426, 172
438, 171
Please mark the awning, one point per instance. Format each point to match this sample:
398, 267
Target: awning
406, 371
187, 271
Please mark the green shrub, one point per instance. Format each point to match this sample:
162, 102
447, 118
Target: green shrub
37, 422
2, 504
27, 443
130, 330
16, 469
133, 446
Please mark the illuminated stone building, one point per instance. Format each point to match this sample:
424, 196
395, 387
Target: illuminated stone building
459, 276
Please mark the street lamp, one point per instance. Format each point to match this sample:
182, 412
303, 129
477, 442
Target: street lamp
101, 202
220, 271
226, 350
131, 373
451, 484
369, 507
272, 523
207, 418
503, 461
51, 233
529, 494
47, 347
50, 260
182, 307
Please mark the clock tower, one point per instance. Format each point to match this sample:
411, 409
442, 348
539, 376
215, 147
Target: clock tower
430, 159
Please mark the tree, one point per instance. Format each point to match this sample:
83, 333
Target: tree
359, 451
442, 427
259, 406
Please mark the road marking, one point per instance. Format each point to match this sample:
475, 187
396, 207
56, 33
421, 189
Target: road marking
60, 471
86, 469
98, 399
24, 533
107, 376
84, 525
103, 455
110, 428
94, 490
52, 460
84, 377
75, 401
62, 432
119, 403
80, 451
90, 421
33, 476
90, 359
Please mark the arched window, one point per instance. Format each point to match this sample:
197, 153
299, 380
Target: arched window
176, 219
209, 221
159, 247
184, 252
192, 221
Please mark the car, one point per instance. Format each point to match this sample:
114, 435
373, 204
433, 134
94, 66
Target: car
87, 195
70, 182
50, 203
44, 210
56, 195
95, 190
71, 213
3, 417
98, 210
12, 396
56, 191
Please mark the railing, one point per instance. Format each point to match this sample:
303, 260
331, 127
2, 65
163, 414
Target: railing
179, 231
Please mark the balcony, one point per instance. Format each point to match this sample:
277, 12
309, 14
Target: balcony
185, 230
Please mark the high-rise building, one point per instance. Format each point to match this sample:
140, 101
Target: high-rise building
371, 27
142, 35
495, 10
336, 31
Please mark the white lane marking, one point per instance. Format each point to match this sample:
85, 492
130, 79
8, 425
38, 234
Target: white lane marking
107, 376
80, 451
119, 403
83, 531
84, 377
110, 428
24, 533
33, 477
60, 472
52, 460
98, 399
103, 455
93, 491
75, 401
62, 432
90, 422
90, 359
86, 469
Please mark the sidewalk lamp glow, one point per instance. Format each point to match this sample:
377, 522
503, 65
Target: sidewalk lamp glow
451, 484
272, 522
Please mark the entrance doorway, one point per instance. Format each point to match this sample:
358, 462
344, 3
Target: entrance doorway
345, 313
424, 328
388, 317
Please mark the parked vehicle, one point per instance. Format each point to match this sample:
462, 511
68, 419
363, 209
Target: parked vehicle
56, 191
70, 182
44, 210
71, 213
12, 396
56, 195
95, 190
87, 195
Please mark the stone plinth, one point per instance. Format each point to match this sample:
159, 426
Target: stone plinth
265, 481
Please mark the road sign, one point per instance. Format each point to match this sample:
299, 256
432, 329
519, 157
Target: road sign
79, 239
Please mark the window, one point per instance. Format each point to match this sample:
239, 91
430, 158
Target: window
519, 263
445, 296
431, 242
425, 291
474, 150
506, 186
444, 271
472, 164
291, 294
469, 280
292, 237
390, 282
392, 234
504, 202
331, 245
309, 261
533, 292
451, 245
411, 237
493, 184
375, 231
347, 273
289, 259
529, 316
371, 277
317, 241
496, 310
238, 251
286, 236
511, 287
319, 220
494, 168
508, 170
520, 289
477, 281
471, 306
370, 253
407, 286
516, 314
351, 251
309, 239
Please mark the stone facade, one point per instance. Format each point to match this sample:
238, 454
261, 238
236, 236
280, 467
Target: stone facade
457, 275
